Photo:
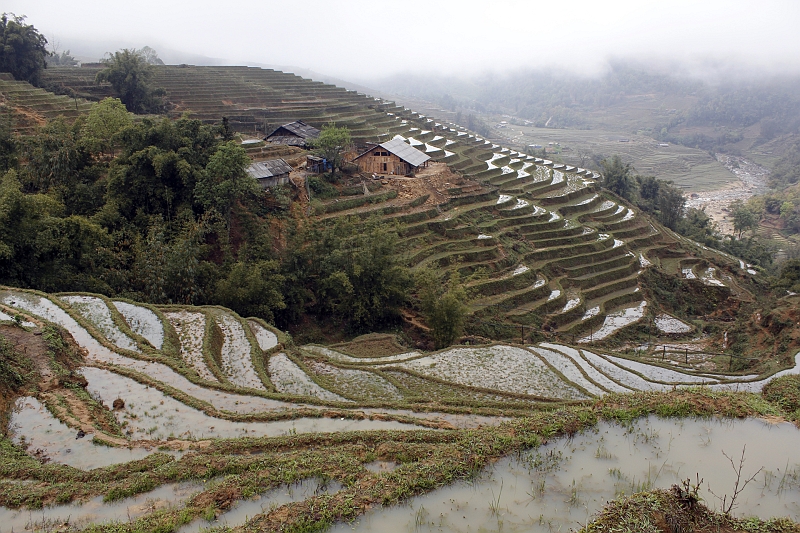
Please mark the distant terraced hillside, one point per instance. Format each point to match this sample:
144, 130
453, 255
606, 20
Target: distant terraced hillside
28, 107
545, 246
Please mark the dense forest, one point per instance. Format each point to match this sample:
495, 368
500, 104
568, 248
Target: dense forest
174, 218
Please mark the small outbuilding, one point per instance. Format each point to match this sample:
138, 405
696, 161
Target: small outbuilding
270, 173
296, 133
317, 165
392, 157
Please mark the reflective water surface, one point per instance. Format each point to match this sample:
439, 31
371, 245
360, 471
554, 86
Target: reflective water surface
559, 486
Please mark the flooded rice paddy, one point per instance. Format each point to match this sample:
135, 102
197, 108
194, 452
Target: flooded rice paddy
246, 509
265, 338
34, 427
150, 414
142, 321
97, 312
95, 511
559, 486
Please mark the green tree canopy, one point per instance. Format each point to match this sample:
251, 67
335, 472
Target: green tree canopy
106, 119
158, 169
252, 289
331, 144
662, 199
23, 50
345, 269
744, 218
54, 156
444, 305
9, 146
168, 269
40, 247
131, 76
617, 176
225, 180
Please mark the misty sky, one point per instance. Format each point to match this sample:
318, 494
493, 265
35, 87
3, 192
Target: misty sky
360, 41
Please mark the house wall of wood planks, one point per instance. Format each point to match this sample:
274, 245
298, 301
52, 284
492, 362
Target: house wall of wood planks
380, 161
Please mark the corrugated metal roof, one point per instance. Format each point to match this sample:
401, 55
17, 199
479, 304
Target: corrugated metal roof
269, 169
289, 140
407, 153
299, 128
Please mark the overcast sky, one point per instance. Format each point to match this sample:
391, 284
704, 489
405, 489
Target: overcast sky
360, 41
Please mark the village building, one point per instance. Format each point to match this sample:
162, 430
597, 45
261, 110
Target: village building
270, 173
317, 165
296, 133
392, 157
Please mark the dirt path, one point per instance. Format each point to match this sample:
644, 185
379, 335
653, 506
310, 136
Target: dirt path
31, 344
752, 181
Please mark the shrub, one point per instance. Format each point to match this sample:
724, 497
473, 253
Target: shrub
785, 392
321, 188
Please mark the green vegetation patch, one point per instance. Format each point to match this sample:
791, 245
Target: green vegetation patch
785, 393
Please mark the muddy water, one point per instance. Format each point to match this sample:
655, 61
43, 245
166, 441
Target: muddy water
40, 430
247, 509
561, 485
95, 511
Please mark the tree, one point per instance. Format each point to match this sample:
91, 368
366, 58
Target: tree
168, 271
62, 59
790, 276
225, 180
106, 119
443, 305
158, 169
671, 205
8, 144
346, 269
23, 50
331, 144
150, 55
252, 289
744, 218
130, 75
617, 176
54, 156
41, 248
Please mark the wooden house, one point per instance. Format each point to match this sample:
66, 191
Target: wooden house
316, 165
270, 173
296, 133
392, 157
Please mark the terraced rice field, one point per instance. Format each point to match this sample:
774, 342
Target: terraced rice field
143, 321
30, 107
547, 254
508, 212
546, 371
169, 412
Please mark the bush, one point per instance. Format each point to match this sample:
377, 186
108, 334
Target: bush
785, 392
416, 202
321, 189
